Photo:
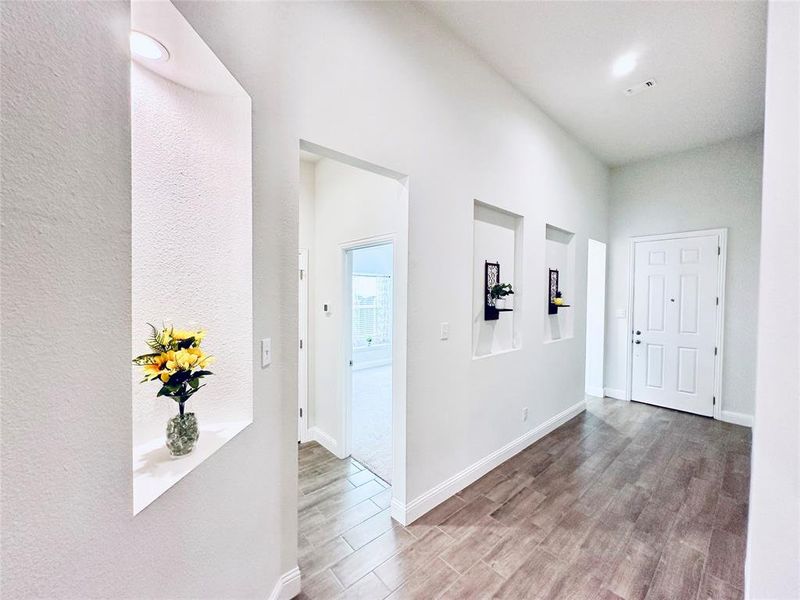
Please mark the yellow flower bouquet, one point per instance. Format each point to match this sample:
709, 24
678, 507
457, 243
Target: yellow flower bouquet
179, 364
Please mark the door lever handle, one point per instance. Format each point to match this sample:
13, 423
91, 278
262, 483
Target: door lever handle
638, 332
637, 342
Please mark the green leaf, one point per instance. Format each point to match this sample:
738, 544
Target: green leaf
146, 359
195, 383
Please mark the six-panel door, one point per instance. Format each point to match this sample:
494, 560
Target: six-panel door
674, 323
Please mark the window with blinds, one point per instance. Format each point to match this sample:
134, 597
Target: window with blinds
372, 310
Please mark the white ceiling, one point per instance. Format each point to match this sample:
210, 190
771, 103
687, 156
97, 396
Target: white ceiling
707, 59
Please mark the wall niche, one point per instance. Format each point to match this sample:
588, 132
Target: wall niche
497, 244
191, 239
559, 254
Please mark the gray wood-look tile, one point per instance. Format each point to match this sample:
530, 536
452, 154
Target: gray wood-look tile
413, 558
354, 566
427, 582
368, 587
624, 502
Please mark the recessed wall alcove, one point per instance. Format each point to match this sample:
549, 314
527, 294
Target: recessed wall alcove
191, 239
497, 239
559, 253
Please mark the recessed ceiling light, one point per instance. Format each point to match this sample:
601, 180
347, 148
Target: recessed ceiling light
144, 46
624, 64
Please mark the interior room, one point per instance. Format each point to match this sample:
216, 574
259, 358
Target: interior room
327, 300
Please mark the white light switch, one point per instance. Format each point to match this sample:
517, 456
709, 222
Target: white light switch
622, 313
266, 352
444, 331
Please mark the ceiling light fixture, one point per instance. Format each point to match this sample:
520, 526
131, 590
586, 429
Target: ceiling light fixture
624, 64
144, 46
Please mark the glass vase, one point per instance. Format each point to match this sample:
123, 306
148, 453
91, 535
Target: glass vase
182, 434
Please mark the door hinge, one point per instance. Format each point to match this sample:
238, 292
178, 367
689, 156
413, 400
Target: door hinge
301, 344
717, 300
302, 272
301, 413
714, 400
719, 250
715, 350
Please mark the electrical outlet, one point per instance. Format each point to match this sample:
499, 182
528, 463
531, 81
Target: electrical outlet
524, 414
266, 352
444, 331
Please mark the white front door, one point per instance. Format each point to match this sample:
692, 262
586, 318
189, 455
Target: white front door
675, 322
302, 358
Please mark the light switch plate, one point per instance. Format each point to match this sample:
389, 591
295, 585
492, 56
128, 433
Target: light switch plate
444, 331
266, 352
622, 313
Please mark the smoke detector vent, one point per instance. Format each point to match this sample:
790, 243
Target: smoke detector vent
640, 87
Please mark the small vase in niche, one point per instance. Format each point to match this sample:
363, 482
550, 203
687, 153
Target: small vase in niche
182, 433
178, 363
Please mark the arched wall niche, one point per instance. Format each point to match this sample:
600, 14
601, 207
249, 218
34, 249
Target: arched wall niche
191, 238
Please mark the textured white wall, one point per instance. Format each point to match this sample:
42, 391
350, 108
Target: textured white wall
349, 204
773, 535
715, 186
394, 89
192, 241
595, 317
495, 241
397, 90
67, 527
560, 255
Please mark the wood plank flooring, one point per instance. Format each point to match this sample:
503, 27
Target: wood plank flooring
624, 502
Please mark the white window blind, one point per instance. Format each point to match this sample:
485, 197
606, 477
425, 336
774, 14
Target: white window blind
372, 310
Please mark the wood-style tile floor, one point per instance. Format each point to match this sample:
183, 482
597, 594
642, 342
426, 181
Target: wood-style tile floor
625, 501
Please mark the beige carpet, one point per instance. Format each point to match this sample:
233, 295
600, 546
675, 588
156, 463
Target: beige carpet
372, 420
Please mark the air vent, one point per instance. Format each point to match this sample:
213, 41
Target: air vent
640, 87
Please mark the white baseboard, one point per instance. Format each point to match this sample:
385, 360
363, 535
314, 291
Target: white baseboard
736, 418
597, 392
615, 393
408, 513
287, 586
316, 434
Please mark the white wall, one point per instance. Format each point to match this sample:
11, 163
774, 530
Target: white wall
192, 240
396, 90
348, 204
67, 527
715, 186
560, 256
773, 536
595, 317
494, 239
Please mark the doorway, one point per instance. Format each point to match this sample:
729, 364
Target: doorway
595, 317
368, 335
353, 269
677, 299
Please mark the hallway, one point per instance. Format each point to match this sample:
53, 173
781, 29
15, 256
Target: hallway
625, 501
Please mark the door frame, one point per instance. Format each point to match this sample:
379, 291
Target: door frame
347, 331
302, 358
722, 241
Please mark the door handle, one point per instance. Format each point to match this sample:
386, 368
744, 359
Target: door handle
637, 342
638, 332
350, 362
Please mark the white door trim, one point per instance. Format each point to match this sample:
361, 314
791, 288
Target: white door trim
347, 327
722, 240
302, 360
